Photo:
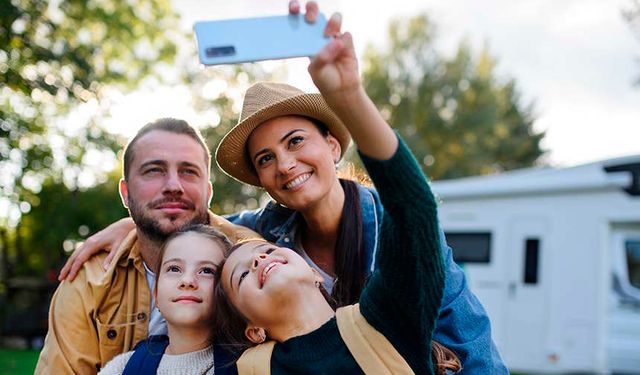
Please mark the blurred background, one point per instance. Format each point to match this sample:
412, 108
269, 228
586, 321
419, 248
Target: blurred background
476, 88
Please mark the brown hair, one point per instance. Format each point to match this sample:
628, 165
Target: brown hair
170, 125
229, 322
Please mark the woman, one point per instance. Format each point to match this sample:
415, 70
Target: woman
337, 225
273, 289
185, 295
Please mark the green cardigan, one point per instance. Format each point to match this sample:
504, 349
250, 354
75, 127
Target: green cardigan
394, 301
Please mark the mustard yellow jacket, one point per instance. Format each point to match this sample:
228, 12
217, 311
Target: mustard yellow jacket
104, 313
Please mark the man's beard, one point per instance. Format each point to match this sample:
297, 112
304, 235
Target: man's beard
151, 227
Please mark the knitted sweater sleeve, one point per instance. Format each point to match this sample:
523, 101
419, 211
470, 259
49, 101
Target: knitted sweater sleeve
116, 365
402, 296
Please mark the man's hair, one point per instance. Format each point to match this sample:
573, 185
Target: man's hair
170, 125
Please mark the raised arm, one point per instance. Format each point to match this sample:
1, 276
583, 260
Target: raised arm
334, 71
463, 324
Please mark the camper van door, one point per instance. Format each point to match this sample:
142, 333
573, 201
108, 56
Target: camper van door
624, 309
526, 300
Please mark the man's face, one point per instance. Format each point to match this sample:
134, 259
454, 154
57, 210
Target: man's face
168, 185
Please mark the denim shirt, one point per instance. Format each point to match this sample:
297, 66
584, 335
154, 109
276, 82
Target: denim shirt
463, 325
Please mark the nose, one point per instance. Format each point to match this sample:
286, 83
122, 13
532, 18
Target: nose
256, 260
173, 185
286, 163
187, 281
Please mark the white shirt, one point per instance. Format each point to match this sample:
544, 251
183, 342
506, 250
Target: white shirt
157, 324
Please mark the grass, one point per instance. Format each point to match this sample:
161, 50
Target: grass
18, 361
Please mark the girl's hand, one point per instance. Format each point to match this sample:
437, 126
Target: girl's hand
108, 239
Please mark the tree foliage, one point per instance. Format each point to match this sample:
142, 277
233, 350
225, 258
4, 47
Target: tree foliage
456, 115
61, 219
54, 56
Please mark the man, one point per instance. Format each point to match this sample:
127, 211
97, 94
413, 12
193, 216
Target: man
100, 314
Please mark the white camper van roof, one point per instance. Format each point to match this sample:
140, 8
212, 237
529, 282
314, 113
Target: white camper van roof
611, 174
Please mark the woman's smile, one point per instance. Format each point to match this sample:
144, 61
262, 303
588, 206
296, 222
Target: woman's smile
297, 182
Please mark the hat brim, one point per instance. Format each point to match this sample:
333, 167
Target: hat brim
231, 152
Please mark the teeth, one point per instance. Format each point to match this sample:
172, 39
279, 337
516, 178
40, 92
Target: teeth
267, 269
298, 180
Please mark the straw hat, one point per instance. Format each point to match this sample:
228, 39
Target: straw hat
262, 102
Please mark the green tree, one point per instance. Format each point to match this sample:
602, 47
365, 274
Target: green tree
55, 58
63, 218
456, 115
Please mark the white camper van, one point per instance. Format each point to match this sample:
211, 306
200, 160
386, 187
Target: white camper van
554, 256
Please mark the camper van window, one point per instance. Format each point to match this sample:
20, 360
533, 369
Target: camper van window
633, 262
470, 247
531, 259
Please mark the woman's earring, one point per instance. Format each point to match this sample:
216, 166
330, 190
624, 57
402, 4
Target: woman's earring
317, 284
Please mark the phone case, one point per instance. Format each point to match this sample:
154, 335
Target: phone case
255, 39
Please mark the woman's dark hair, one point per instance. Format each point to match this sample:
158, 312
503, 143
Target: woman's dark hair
349, 253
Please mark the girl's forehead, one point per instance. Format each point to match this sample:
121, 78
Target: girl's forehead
189, 245
246, 250
252, 246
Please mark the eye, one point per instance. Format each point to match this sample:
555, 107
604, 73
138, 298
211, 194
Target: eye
190, 172
153, 170
208, 271
295, 141
242, 276
264, 159
172, 268
270, 250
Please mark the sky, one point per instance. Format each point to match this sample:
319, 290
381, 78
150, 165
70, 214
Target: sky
575, 60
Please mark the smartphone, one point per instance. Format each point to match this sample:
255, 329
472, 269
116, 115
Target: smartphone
256, 39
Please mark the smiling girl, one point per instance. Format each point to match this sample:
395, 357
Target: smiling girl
184, 293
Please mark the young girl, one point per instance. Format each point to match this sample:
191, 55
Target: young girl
273, 290
184, 293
